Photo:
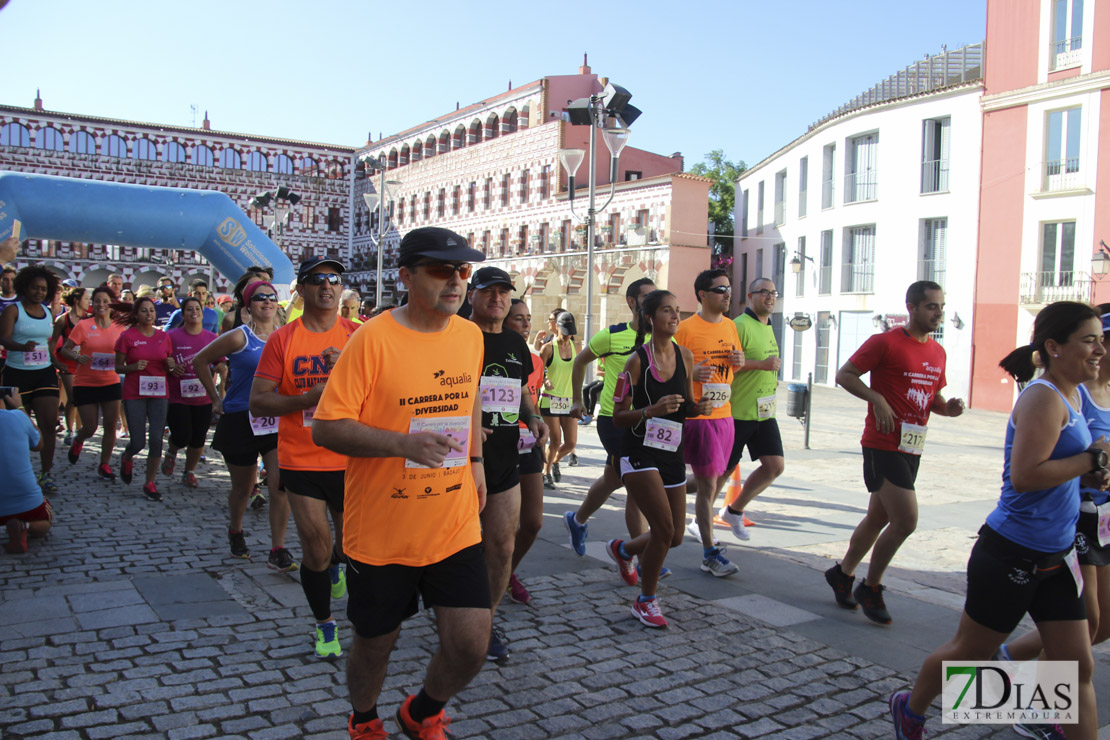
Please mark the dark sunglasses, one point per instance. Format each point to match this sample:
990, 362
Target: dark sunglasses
319, 278
720, 289
259, 297
444, 270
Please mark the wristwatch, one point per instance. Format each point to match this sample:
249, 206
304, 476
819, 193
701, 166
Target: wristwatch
1099, 457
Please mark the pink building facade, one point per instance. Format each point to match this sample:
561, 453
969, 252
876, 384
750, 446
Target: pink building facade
1044, 199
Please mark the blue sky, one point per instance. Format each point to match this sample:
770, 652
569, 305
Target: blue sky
742, 76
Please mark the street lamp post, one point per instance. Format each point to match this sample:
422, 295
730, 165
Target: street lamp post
595, 111
387, 190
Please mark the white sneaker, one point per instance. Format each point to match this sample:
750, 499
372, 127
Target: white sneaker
736, 521
693, 531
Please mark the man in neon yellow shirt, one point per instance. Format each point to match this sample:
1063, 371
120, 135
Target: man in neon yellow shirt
753, 402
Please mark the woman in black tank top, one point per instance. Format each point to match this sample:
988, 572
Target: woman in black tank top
654, 395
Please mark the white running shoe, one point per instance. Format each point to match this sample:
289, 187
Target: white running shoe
693, 531
736, 521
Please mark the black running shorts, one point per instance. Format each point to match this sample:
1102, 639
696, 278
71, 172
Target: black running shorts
900, 468
760, 437
325, 485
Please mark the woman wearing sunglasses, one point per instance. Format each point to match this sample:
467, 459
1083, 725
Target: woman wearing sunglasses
241, 437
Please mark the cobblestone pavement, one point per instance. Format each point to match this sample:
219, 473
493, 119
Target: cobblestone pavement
131, 619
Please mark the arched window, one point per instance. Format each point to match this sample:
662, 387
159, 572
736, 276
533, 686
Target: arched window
391, 161
417, 151
444, 142
145, 149
508, 123
404, 156
114, 146
458, 139
230, 159
308, 167
283, 165
173, 152
15, 134
525, 116
256, 162
493, 126
82, 142
202, 155
51, 138
474, 133
430, 146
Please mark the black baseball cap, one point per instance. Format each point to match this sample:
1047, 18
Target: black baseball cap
312, 263
438, 244
490, 276
566, 325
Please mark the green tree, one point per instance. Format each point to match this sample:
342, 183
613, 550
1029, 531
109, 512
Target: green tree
722, 195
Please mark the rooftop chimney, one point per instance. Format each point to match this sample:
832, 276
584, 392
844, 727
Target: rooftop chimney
585, 68
38, 100
206, 125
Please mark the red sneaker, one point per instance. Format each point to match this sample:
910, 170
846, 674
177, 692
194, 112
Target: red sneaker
372, 730
649, 613
431, 728
626, 568
105, 471
126, 469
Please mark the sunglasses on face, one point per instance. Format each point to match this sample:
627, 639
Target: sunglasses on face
720, 289
319, 278
444, 270
259, 297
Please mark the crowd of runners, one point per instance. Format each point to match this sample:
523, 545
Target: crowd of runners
412, 447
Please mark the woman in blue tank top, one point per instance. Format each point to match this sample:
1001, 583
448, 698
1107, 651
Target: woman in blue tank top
241, 437
1024, 560
25, 330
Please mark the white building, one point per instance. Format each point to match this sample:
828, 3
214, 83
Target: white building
880, 193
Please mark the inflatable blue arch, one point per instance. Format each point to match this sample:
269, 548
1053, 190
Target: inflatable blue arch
74, 210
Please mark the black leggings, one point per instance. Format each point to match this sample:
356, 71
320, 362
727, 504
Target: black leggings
188, 424
590, 393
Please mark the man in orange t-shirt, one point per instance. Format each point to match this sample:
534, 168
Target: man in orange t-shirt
403, 403
290, 377
707, 440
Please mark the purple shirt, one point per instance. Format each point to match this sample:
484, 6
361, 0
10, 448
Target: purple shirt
185, 348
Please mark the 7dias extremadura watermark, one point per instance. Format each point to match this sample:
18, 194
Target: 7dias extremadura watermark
1003, 693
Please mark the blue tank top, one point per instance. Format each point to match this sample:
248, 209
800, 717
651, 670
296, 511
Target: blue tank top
29, 329
1042, 520
1098, 421
242, 365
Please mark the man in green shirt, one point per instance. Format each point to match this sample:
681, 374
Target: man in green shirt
753, 402
616, 344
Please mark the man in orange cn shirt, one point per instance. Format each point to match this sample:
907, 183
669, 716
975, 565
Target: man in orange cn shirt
290, 377
403, 403
708, 439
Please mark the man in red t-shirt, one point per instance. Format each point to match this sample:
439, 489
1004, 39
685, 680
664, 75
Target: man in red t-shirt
907, 374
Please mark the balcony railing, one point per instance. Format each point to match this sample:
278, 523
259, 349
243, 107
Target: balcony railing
858, 277
934, 176
1042, 288
1064, 53
828, 193
861, 186
1062, 174
931, 270
780, 212
824, 280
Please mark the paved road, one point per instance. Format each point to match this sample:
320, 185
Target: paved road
131, 620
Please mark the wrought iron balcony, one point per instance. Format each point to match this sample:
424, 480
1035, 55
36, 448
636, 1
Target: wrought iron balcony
1042, 288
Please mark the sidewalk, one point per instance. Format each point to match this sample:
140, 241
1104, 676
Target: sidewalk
131, 619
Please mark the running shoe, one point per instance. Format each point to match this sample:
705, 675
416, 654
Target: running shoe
585, 420
907, 725
238, 543
718, 564
151, 491
68, 438
517, 591
126, 469
189, 478
692, 529
577, 533
871, 599
430, 728
663, 572
548, 483
735, 522
281, 560
572, 460
556, 474
841, 586
1040, 732
105, 471
17, 536
47, 484
338, 581
372, 730
168, 464
203, 458
75, 452
327, 640
625, 568
649, 613
497, 650
257, 499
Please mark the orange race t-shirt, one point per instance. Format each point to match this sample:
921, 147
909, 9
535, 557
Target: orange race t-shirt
293, 358
711, 343
99, 345
394, 378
